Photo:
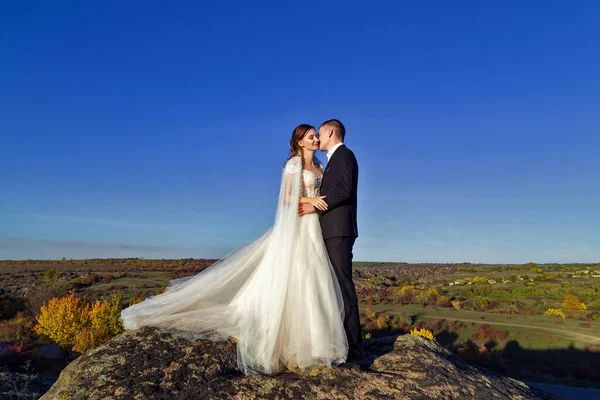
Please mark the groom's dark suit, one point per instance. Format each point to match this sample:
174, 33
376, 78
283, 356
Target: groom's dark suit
340, 231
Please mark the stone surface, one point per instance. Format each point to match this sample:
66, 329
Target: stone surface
51, 352
150, 363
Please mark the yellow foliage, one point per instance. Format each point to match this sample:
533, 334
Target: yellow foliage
62, 318
104, 316
477, 279
367, 335
135, 299
371, 313
401, 291
555, 312
572, 303
456, 304
87, 338
422, 332
443, 298
382, 321
71, 322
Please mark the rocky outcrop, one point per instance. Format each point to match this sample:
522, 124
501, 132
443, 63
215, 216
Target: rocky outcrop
150, 363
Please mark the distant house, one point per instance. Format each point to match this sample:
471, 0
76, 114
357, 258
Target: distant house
492, 281
451, 284
457, 282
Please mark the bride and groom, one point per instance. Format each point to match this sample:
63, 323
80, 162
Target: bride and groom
286, 298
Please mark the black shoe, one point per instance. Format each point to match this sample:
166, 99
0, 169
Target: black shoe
355, 355
349, 365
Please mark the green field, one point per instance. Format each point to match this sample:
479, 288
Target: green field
536, 332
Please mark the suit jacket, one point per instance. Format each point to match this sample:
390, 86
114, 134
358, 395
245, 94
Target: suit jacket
340, 184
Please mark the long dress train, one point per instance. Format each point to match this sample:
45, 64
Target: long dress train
278, 296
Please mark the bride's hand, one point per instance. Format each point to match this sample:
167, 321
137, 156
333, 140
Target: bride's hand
318, 202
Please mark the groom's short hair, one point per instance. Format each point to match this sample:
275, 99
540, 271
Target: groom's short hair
337, 127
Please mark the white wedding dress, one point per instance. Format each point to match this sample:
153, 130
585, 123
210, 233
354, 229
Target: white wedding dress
278, 296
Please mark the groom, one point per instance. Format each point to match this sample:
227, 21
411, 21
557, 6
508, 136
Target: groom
338, 222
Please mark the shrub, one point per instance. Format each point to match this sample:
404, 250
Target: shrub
86, 339
456, 304
591, 294
137, 298
572, 303
405, 320
422, 332
37, 297
382, 321
438, 324
91, 279
17, 329
555, 312
10, 307
480, 303
62, 318
471, 351
104, 316
371, 313
454, 325
376, 298
486, 332
71, 322
52, 274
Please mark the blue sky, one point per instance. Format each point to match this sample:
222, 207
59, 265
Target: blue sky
158, 129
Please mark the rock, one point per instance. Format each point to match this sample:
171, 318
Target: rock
51, 352
150, 363
4, 348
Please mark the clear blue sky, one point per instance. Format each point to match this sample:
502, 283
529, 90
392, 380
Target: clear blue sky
158, 129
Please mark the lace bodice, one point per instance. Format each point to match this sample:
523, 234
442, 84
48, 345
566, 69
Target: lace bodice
310, 182
310, 185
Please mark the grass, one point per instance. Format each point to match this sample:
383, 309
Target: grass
535, 332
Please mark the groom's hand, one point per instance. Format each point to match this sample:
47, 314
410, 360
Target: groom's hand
305, 208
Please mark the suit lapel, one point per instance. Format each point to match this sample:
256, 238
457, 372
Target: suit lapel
329, 163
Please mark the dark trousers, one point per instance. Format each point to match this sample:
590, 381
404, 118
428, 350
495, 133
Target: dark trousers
340, 254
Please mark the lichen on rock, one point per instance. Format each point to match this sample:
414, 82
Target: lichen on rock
150, 363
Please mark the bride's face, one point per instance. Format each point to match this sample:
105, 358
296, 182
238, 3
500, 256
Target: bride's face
310, 141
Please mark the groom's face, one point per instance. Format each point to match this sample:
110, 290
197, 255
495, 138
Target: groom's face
325, 135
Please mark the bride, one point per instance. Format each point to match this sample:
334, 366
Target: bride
278, 297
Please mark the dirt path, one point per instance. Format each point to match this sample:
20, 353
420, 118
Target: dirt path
569, 334
575, 335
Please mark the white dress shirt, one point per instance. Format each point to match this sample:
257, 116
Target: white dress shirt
332, 150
